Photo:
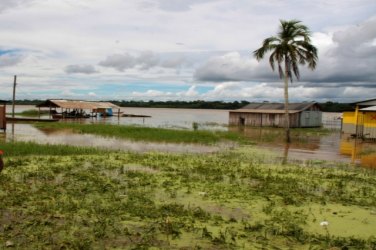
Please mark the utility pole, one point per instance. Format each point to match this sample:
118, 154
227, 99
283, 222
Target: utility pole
14, 94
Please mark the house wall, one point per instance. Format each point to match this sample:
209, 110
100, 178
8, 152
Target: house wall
364, 125
262, 120
310, 119
369, 123
348, 123
3, 124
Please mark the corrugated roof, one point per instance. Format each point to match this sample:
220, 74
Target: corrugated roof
270, 111
370, 102
264, 107
76, 104
373, 108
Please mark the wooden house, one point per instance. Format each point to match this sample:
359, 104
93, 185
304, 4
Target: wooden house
78, 109
306, 114
3, 111
361, 123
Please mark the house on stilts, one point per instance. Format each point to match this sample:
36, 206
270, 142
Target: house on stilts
79, 109
301, 115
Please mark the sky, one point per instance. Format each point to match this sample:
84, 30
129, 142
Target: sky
181, 49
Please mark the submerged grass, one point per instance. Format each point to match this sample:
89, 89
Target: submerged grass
243, 199
32, 148
32, 113
148, 134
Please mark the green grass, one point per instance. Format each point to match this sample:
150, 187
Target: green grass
149, 134
243, 199
32, 148
31, 113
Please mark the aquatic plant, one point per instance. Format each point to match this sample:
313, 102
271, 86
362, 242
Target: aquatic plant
236, 199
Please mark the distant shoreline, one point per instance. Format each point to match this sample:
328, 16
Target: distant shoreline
198, 104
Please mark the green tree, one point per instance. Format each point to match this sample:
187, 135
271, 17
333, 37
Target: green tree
291, 47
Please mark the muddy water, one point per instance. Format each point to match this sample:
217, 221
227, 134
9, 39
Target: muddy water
26, 132
160, 117
305, 146
332, 146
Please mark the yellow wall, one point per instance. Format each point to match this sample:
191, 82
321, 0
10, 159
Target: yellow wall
370, 119
349, 117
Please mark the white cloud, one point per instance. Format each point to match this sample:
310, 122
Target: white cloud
173, 42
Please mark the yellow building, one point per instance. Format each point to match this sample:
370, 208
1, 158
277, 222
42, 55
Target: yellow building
362, 122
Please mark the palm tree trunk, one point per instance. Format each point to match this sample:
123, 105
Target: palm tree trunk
286, 91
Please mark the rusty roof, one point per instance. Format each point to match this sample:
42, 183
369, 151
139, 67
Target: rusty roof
76, 104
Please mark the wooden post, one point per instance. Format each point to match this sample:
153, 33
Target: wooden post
14, 94
39, 112
356, 120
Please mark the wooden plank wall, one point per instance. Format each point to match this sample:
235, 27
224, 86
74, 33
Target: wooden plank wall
3, 123
263, 120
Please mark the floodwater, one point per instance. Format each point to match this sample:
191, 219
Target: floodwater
305, 146
161, 117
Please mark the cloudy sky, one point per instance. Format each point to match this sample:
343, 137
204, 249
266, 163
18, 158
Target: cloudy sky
181, 49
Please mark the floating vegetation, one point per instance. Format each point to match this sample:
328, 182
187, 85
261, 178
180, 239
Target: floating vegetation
242, 199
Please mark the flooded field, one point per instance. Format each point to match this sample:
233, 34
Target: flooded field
331, 146
260, 195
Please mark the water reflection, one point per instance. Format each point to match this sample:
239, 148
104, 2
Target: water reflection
363, 153
308, 145
26, 132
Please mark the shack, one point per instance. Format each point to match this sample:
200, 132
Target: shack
361, 123
301, 115
3, 111
78, 109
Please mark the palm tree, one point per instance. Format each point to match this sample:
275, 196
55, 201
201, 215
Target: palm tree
291, 46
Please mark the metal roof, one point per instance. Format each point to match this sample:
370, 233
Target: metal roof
373, 108
267, 107
271, 111
76, 104
370, 102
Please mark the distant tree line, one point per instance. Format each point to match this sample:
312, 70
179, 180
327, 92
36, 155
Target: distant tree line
199, 104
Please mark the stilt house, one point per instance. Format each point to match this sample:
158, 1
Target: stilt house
306, 114
78, 109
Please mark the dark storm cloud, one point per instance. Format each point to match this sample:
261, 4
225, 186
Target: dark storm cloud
80, 69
